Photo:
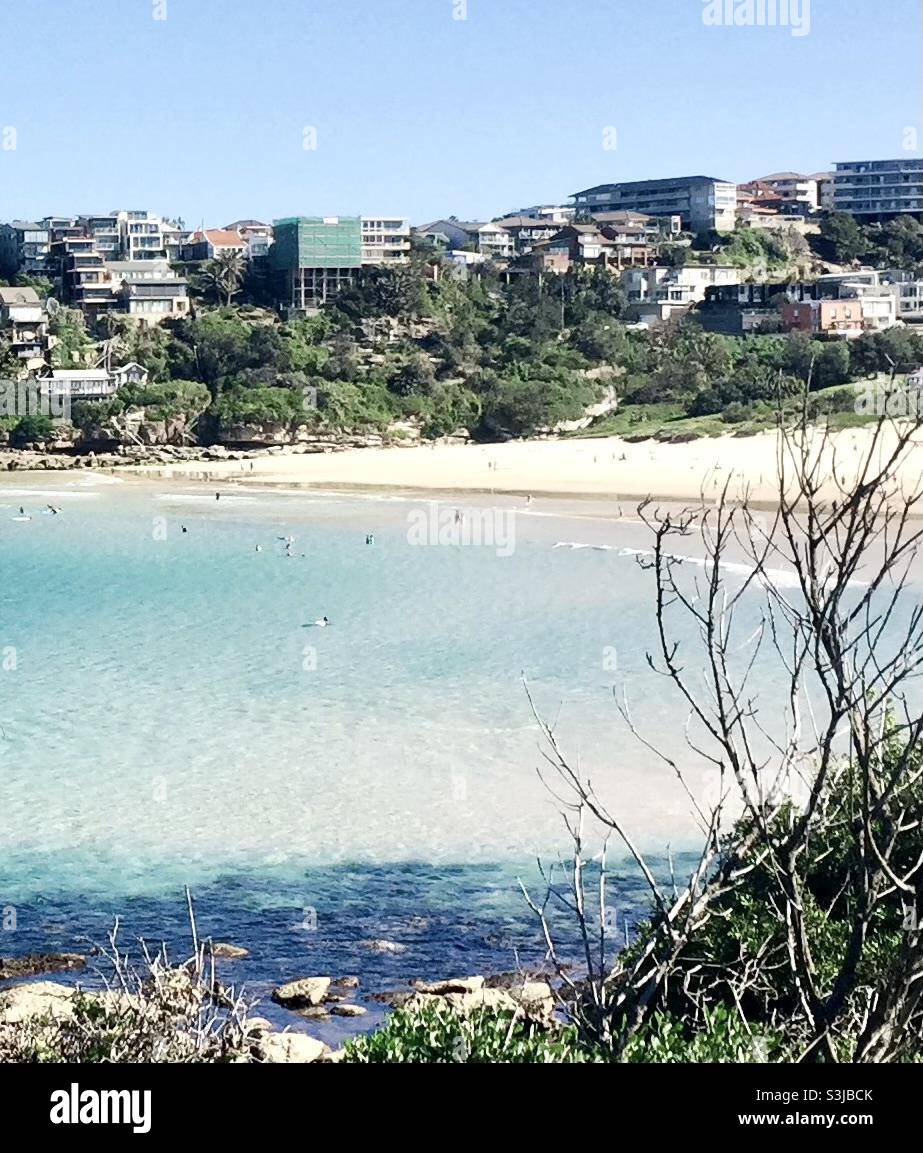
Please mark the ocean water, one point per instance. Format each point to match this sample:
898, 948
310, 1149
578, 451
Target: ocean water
169, 717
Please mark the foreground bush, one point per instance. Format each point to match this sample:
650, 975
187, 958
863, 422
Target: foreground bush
441, 1035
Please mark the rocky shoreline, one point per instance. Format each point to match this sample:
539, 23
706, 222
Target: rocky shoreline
308, 998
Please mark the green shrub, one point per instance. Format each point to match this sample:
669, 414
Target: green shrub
438, 1034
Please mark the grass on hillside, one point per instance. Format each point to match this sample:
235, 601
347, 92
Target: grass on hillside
669, 422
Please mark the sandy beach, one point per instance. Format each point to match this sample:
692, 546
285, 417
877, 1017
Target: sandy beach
608, 468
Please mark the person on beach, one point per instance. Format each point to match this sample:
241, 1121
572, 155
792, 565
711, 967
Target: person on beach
217, 496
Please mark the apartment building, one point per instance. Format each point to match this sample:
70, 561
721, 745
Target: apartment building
660, 292
318, 256
24, 323
490, 238
879, 189
794, 191
559, 214
844, 319
106, 233
24, 248
702, 203
385, 240
143, 235
527, 231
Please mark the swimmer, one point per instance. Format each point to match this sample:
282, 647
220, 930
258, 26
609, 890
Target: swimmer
322, 623
185, 529
259, 548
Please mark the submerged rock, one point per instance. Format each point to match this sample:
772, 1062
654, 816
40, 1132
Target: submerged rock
34, 963
228, 952
307, 991
382, 946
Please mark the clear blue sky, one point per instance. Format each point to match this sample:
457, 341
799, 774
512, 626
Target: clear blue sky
202, 115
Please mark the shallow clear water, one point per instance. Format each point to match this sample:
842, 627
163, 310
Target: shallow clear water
168, 719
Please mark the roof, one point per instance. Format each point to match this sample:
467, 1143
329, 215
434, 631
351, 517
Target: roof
623, 216
526, 222
19, 296
464, 225
79, 374
218, 237
782, 176
637, 185
238, 225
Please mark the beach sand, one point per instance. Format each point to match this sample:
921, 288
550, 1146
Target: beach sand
608, 468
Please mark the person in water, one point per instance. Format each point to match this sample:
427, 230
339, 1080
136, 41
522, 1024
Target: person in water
185, 529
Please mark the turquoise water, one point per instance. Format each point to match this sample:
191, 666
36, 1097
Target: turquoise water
168, 719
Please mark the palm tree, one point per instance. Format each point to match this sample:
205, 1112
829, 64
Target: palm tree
224, 275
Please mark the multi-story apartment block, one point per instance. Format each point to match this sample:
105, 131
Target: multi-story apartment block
794, 191
660, 292
527, 231
848, 316
703, 203
319, 256
879, 189
559, 214
495, 242
385, 240
24, 323
24, 248
105, 232
143, 236
825, 190
908, 291
489, 239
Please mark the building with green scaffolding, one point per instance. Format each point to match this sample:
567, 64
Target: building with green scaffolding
319, 256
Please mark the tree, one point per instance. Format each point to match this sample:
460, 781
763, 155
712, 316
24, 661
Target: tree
224, 275
30, 429
842, 238
803, 915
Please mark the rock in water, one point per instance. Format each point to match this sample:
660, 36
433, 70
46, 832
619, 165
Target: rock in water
228, 952
348, 1010
297, 994
29, 966
381, 946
